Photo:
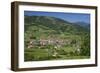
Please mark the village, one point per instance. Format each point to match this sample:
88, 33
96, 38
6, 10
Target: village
56, 43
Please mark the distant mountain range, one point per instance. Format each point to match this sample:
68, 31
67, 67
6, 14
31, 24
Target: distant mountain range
83, 24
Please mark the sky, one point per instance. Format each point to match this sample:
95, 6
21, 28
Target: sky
71, 17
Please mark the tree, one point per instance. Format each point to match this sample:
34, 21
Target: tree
85, 47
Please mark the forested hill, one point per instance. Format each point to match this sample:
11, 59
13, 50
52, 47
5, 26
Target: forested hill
54, 24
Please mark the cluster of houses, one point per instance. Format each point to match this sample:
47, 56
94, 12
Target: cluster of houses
45, 42
53, 42
57, 43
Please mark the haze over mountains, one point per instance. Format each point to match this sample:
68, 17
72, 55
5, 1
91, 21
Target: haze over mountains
83, 24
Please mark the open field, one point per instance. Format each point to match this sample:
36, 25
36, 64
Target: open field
45, 54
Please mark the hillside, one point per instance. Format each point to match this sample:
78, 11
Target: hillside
53, 23
61, 37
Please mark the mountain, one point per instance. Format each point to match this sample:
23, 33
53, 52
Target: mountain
83, 24
54, 24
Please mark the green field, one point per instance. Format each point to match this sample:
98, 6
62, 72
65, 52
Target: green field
45, 54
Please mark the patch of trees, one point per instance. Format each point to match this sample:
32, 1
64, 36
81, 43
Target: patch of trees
85, 47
